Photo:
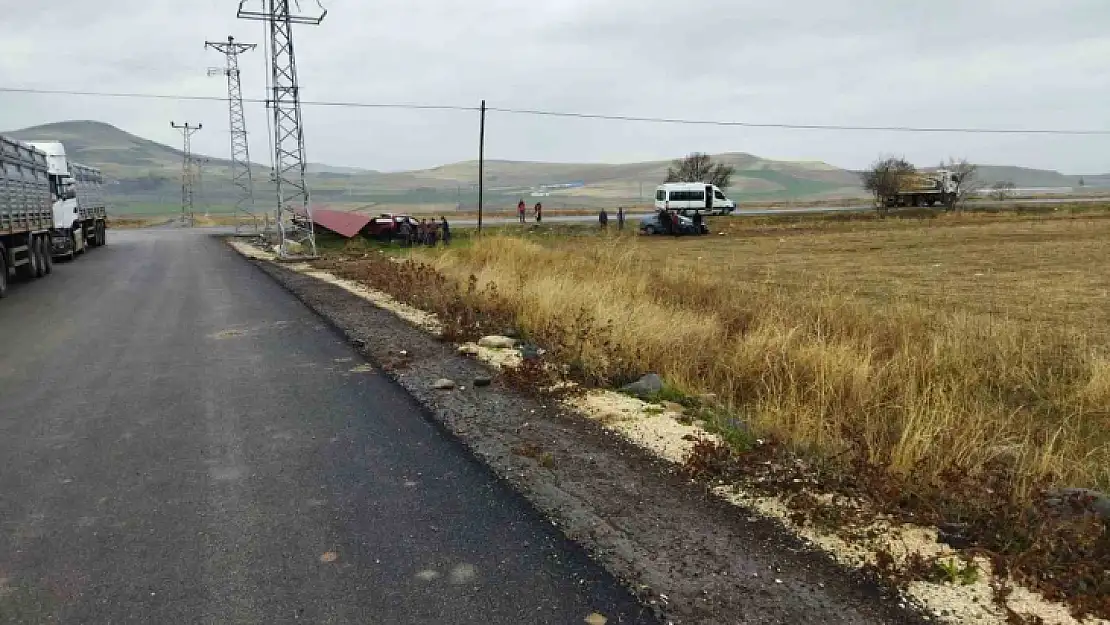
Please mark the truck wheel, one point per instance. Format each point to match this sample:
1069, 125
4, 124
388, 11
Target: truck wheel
103, 233
30, 269
40, 265
78, 239
47, 256
650, 230
3, 273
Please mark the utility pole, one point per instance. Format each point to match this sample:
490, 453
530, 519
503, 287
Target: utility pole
187, 132
481, 164
294, 211
198, 168
241, 175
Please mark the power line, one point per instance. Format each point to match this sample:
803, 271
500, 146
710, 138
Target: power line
564, 114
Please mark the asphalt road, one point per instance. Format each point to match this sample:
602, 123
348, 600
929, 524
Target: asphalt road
181, 441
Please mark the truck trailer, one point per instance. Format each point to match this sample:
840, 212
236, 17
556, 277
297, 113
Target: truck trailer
80, 214
927, 188
26, 215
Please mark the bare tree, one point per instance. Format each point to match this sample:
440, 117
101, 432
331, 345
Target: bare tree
886, 177
1002, 190
698, 167
966, 177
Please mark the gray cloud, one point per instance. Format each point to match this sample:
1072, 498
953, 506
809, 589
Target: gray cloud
1020, 63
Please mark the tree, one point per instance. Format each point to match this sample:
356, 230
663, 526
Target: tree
1002, 190
886, 177
698, 167
966, 177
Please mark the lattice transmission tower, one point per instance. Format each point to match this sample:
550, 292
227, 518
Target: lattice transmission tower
294, 212
187, 175
241, 176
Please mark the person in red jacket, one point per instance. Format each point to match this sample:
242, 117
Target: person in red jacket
520, 210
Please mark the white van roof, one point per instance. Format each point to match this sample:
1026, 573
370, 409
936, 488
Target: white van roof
685, 185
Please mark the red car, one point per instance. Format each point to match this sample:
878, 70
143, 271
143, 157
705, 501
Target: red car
387, 226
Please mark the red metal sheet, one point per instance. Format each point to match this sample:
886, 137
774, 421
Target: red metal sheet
340, 222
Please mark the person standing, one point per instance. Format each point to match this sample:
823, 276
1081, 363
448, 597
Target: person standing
520, 210
446, 230
697, 222
405, 232
603, 219
539, 212
620, 218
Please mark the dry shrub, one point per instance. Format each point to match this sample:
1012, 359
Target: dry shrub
916, 392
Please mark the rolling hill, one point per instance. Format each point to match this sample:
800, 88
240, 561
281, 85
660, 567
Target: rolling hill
144, 176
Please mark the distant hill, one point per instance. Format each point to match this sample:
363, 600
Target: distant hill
145, 176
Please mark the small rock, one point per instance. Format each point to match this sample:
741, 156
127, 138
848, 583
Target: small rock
1079, 500
646, 386
358, 342
483, 381
443, 384
954, 535
497, 342
530, 352
469, 349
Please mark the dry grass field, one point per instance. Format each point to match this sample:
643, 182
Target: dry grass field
964, 344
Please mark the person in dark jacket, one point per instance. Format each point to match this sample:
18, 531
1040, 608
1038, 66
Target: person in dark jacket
620, 218
446, 230
603, 219
539, 212
697, 222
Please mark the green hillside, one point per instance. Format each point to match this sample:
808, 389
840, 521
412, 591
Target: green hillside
144, 176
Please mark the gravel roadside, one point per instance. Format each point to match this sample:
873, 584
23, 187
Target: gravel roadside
692, 557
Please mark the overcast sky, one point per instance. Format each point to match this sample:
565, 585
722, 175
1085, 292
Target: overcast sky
978, 63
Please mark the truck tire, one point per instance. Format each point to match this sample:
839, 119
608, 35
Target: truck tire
3, 273
30, 269
47, 256
78, 237
103, 233
36, 249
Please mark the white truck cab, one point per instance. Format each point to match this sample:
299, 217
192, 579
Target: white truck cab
693, 196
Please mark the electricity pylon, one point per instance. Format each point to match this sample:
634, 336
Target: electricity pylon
187, 133
294, 212
241, 175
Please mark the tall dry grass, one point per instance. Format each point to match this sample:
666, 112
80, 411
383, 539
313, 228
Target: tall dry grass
918, 391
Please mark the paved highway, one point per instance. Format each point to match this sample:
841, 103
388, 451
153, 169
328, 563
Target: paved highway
183, 442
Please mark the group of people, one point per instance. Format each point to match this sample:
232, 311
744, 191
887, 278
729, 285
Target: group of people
669, 221
425, 232
603, 218
537, 211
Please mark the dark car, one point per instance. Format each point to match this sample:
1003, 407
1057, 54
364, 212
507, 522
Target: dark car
651, 225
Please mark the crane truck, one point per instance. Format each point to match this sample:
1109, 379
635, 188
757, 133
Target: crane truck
927, 188
80, 214
26, 213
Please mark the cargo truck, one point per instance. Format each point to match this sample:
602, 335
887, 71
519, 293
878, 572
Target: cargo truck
26, 215
924, 189
80, 214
